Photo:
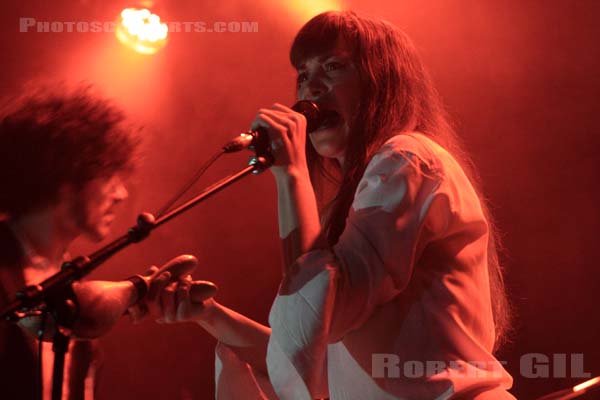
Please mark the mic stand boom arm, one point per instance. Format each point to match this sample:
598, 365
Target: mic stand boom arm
36, 295
55, 294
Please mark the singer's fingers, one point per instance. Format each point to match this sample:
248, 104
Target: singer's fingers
202, 291
167, 302
265, 121
284, 111
296, 116
277, 132
282, 107
295, 124
183, 312
151, 271
282, 118
157, 285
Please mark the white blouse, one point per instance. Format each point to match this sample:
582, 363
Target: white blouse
400, 307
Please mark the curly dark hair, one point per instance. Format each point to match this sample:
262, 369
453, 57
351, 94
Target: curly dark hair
55, 136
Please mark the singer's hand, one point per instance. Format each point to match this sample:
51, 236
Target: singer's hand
177, 304
287, 131
150, 306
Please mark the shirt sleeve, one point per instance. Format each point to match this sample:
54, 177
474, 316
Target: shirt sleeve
236, 379
333, 291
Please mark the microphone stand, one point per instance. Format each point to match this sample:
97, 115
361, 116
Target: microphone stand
55, 295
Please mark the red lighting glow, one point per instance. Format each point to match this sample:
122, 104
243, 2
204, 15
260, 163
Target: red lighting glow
141, 30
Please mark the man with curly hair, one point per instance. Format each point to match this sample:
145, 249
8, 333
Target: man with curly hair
64, 155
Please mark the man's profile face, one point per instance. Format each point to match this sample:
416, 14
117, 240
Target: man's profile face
94, 209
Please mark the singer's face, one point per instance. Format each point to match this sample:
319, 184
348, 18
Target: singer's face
332, 81
94, 209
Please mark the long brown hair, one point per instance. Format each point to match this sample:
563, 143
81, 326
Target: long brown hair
397, 95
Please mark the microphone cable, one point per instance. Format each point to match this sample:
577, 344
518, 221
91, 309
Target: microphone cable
314, 117
199, 172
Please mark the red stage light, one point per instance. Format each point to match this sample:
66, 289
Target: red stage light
141, 30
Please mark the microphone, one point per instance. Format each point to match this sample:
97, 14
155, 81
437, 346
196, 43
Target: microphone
102, 303
314, 118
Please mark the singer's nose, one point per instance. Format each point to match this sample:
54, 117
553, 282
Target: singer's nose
121, 192
313, 89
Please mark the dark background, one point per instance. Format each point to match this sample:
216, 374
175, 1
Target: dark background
520, 78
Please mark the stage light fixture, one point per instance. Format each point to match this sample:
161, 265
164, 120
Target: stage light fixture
141, 30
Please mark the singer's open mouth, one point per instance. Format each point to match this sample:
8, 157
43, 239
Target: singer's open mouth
331, 118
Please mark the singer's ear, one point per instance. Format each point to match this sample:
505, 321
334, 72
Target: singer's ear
66, 199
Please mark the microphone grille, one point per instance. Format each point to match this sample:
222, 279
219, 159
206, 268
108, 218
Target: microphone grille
311, 112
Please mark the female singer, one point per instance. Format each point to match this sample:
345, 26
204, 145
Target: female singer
391, 285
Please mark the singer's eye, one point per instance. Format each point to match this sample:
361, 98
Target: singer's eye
301, 78
333, 65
